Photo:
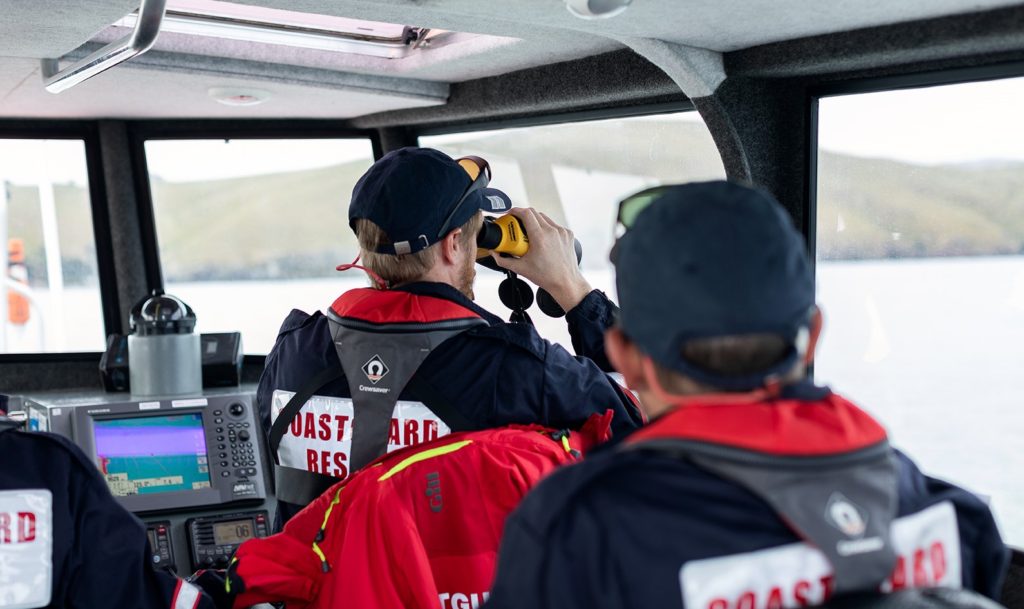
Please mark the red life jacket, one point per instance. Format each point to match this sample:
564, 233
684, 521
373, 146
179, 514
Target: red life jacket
419, 527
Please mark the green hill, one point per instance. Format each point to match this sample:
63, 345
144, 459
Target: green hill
878, 208
257, 227
294, 224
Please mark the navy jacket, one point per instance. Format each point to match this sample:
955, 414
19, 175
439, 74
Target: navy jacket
621, 528
495, 375
100, 555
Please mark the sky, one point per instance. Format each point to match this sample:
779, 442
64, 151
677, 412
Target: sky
966, 123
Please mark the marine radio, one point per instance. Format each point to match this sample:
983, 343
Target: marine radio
212, 540
166, 454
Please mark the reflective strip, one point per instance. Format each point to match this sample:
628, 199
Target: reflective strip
423, 456
330, 508
227, 574
186, 596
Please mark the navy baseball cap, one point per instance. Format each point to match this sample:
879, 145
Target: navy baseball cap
419, 195
713, 259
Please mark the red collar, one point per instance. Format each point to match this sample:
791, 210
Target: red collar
393, 306
784, 427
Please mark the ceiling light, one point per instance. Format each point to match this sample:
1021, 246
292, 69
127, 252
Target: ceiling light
230, 21
596, 9
239, 97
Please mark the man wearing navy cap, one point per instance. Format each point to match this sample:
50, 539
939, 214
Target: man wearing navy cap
751, 488
412, 357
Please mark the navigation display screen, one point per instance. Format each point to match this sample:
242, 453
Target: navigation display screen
158, 454
232, 532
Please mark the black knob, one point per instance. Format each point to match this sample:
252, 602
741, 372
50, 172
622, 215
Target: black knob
208, 561
236, 409
243, 435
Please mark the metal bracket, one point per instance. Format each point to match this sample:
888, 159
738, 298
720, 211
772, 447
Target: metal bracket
142, 38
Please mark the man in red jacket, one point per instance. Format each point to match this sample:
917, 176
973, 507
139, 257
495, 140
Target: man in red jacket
419, 527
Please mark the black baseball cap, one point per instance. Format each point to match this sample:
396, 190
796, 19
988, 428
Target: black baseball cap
713, 259
419, 195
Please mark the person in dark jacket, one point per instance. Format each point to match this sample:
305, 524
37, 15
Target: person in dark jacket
65, 542
751, 488
417, 213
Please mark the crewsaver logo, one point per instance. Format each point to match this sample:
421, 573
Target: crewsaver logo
375, 369
846, 516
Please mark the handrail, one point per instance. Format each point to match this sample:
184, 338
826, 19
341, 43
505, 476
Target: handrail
147, 26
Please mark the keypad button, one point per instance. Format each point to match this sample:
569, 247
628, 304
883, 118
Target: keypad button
217, 413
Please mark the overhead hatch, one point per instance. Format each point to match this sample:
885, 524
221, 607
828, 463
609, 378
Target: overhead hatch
230, 21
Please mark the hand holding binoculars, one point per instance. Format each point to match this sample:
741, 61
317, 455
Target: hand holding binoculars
507, 236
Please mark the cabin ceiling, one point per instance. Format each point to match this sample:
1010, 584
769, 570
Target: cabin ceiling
174, 78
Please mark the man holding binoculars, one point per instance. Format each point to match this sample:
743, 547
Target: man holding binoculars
413, 357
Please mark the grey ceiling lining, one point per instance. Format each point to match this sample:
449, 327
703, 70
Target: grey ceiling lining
50, 28
124, 92
615, 79
54, 27
260, 72
720, 25
976, 35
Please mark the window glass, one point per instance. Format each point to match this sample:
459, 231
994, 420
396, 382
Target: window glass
49, 287
577, 173
920, 236
250, 229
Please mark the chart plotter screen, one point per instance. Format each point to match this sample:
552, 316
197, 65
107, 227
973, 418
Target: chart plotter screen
156, 454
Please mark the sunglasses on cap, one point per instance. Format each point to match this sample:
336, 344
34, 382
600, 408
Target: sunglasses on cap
629, 211
479, 174
631, 206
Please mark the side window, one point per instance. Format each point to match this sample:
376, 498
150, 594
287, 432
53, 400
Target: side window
920, 236
250, 229
49, 285
577, 173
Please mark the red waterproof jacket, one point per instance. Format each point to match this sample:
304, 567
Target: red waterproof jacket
419, 527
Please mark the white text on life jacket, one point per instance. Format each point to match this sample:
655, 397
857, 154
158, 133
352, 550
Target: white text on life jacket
927, 545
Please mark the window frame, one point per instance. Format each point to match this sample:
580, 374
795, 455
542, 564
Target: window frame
558, 118
881, 84
139, 132
88, 133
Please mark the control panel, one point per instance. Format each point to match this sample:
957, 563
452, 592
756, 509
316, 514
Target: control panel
159, 534
182, 464
214, 539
